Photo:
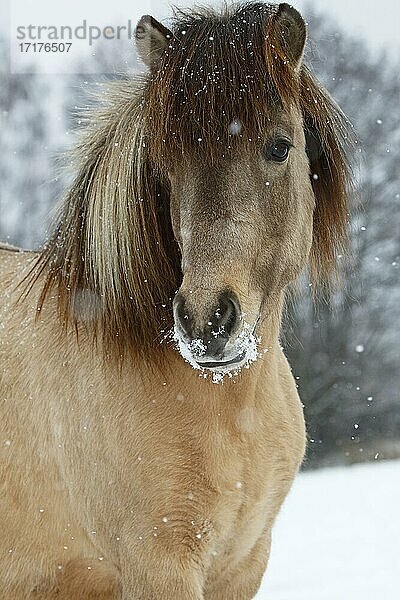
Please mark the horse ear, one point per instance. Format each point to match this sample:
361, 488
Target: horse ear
290, 33
152, 39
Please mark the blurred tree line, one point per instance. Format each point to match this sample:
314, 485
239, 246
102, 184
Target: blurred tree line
345, 357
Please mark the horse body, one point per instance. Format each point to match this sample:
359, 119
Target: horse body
202, 191
163, 487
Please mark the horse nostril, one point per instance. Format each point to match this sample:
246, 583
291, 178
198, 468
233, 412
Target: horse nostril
182, 318
228, 313
212, 334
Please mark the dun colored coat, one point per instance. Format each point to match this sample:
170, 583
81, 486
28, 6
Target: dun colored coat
127, 472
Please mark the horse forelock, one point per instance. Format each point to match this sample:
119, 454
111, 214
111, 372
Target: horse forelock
218, 83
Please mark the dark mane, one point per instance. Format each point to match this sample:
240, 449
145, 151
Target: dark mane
114, 243
216, 72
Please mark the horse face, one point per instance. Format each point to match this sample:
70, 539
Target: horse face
226, 100
244, 226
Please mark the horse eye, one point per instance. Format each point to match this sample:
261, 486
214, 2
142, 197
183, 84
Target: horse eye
279, 151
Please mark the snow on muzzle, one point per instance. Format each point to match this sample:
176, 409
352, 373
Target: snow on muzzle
220, 341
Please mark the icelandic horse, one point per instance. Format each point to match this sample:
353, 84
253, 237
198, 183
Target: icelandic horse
203, 188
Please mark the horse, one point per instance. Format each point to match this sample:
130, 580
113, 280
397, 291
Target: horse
150, 424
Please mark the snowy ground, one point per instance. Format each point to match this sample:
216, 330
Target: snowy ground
338, 537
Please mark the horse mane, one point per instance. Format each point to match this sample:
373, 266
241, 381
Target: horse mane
112, 259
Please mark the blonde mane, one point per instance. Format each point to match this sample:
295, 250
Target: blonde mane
113, 248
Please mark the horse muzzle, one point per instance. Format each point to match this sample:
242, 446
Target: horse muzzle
217, 341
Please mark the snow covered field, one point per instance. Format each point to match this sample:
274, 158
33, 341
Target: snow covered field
338, 537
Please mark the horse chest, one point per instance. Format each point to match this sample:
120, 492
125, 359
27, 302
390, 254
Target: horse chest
206, 483
241, 508
220, 486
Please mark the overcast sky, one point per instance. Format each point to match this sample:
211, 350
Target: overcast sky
376, 21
